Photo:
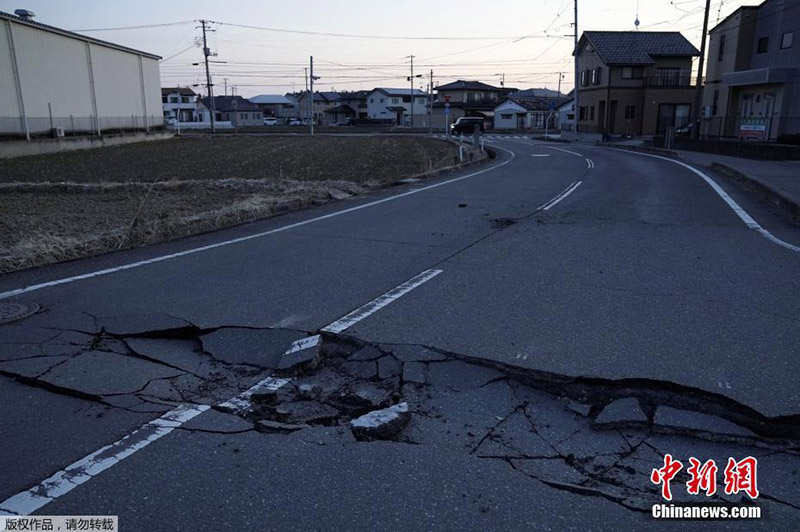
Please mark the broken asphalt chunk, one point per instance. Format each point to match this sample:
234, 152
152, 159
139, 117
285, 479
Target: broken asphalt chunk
415, 372
624, 410
268, 425
388, 367
383, 424
674, 417
305, 412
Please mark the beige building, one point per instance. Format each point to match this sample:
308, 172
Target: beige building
634, 83
54, 81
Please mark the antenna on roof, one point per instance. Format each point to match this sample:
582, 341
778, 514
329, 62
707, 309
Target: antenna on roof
636, 22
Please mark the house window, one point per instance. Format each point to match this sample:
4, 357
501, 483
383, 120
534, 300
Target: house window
591, 113
585, 78
786, 40
173, 99
721, 55
668, 76
716, 101
372, 100
582, 113
596, 76
631, 72
506, 116
763, 45
630, 112
381, 100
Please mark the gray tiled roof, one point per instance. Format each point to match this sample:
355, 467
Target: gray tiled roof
638, 47
468, 85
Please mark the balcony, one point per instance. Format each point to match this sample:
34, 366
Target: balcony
671, 79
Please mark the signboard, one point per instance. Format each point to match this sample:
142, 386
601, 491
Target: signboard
447, 110
447, 98
753, 131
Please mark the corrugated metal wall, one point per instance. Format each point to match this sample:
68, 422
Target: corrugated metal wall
85, 86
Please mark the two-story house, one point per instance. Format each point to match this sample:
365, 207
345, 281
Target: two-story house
466, 98
180, 104
352, 107
634, 82
753, 87
396, 105
323, 101
275, 105
236, 110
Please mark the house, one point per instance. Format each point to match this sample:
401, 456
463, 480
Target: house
566, 115
236, 110
753, 75
53, 80
180, 104
527, 113
466, 98
276, 105
634, 82
322, 102
395, 105
357, 100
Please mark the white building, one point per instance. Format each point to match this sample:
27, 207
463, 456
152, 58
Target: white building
566, 116
52, 78
180, 104
395, 105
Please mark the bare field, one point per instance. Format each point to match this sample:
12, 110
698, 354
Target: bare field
69, 205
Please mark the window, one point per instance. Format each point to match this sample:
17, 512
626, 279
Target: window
591, 113
716, 102
763, 45
421, 101
507, 116
582, 113
395, 100
721, 55
381, 100
596, 76
372, 100
786, 40
631, 72
585, 78
630, 112
173, 99
668, 76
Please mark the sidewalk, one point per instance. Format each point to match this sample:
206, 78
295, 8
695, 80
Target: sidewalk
777, 181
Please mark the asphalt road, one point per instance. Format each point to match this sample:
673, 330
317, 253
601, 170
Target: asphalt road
572, 260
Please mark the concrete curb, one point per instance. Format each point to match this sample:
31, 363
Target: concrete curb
766, 191
790, 206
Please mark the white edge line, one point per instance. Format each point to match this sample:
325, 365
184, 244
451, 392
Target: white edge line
748, 220
379, 302
162, 258
27, 502
552, 203
561, 149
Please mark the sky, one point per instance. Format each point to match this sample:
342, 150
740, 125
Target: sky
526, 42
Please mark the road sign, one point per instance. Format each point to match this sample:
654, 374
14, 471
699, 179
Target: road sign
446, 105
447, 98
447, 110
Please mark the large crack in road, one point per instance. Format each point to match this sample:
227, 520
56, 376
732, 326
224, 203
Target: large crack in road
585, 435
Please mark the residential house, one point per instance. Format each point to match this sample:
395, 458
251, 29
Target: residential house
394, 105
180, 104
634, 82
753, 76
527, 113
466, 98
323, 101
276, 105
566, 115
236, 110
352, 107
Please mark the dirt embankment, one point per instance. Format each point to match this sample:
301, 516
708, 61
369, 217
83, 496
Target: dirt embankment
68, 205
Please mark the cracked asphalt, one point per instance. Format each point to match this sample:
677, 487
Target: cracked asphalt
549, 367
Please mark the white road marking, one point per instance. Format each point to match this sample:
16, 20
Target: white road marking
18, 291
740, 212
74, 475
379, 302
540, 155
553, 202
562, 149
589, 163
242, 402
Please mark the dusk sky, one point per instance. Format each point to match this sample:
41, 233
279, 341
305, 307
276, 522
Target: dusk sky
528, 41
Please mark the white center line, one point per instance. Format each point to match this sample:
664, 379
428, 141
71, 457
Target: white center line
552, 203
562, 149
18, 291
589, 163
540, 155
74, 475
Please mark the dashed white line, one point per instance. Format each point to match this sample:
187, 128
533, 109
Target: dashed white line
241, 402
553, 202
748, 220
379, 302
19, 291
540, 155
74, 475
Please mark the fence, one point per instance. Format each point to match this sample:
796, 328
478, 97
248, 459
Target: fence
73, 126
778, 129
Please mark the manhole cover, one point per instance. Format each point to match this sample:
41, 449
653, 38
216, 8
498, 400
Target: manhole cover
16, 311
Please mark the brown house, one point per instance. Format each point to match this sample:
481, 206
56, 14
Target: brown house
634, 82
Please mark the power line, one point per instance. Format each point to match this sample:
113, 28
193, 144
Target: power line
143, 26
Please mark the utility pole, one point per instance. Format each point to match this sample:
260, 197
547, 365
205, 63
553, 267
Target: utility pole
226, 86
698, 96
411, 79
560, 75
430, 105
577, 76
206, 53
311, 95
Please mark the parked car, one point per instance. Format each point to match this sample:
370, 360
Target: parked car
466, 125
294, 122
270, 121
